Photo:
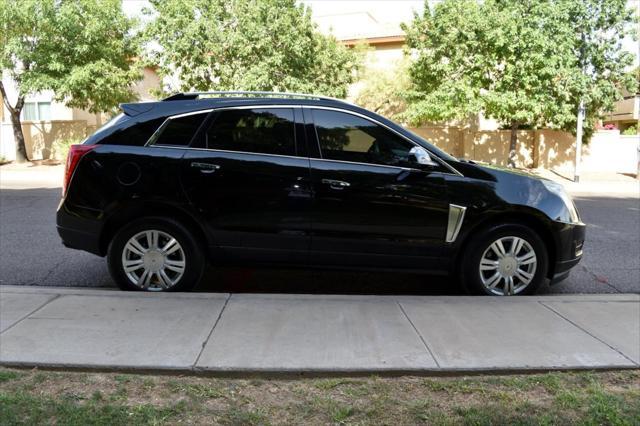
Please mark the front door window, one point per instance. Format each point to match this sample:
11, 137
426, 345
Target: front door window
347, 137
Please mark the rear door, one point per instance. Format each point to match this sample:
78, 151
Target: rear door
374, 205
250, 186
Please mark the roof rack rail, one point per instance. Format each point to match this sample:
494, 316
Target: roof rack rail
222, 94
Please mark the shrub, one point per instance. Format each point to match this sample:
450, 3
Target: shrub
632, 130
61, 148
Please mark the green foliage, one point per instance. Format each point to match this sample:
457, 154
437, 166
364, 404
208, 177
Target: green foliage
632, 131
82, 50
61, 148
382, 90
246, 45
522, 63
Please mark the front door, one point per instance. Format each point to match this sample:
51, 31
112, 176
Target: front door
375, 204
250, 187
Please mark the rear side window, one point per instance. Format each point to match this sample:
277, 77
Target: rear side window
178, 131
138, 134
260, 130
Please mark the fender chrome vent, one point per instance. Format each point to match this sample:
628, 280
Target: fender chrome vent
456, 216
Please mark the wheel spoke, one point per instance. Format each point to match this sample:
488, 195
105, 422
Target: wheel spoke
174, 265
144, 280
516, 246
493, 281
488, 265
508, 286
152, 239
498, 249
163, 280
527, 258
133, 265
171, 246
524, 276
135, 247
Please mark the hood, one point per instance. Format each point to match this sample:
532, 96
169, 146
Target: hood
513, 171
491, 172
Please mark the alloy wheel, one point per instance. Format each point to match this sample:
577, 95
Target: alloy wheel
508, 266
153, 260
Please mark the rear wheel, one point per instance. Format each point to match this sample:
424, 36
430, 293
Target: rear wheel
155, 254
505, 260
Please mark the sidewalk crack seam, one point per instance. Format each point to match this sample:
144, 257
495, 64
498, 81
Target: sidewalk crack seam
587, 332
215, 324
57, 296
419, 335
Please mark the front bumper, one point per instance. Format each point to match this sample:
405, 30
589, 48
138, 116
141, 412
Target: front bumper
569, 249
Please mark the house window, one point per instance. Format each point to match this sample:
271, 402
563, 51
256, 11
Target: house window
36, 111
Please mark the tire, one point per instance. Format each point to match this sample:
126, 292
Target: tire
179, 267
526, 271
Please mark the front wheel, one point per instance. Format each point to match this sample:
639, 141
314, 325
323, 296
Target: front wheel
505, 260
155, 254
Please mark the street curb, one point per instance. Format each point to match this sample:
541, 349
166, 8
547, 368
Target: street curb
307, 373
114, 292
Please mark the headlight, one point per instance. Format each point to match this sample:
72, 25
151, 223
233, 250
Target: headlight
559, 190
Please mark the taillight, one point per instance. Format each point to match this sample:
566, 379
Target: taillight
76, 152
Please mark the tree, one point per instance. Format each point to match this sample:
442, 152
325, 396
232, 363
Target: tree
522, 63
382, 90
601, 75
82, 50
246, 45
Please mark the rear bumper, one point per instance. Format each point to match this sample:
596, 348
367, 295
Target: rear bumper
78, 232
72, 238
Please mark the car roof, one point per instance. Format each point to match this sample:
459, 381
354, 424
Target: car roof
192, 102
183, 103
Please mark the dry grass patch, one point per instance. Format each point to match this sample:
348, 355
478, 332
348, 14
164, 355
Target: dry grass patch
68, 398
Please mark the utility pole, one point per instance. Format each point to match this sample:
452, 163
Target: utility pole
576, 173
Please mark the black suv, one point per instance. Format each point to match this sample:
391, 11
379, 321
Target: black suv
303, 180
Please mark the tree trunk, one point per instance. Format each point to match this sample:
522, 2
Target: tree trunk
21, 148
513, 143
14, 113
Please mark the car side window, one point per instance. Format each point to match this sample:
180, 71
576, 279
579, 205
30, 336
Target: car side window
259, 130
136, 135
178, 131
347, 137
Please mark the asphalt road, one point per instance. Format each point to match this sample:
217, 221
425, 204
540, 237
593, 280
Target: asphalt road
31, 254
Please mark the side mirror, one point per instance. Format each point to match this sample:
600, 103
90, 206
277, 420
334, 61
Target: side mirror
421, 156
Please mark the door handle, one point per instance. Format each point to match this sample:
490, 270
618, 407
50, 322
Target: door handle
206, 168
336, 184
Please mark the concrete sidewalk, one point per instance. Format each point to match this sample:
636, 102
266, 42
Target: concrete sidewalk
222, 333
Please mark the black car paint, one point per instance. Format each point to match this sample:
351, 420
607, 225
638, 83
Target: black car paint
279, 209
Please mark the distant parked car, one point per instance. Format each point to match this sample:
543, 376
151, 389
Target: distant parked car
301, 180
